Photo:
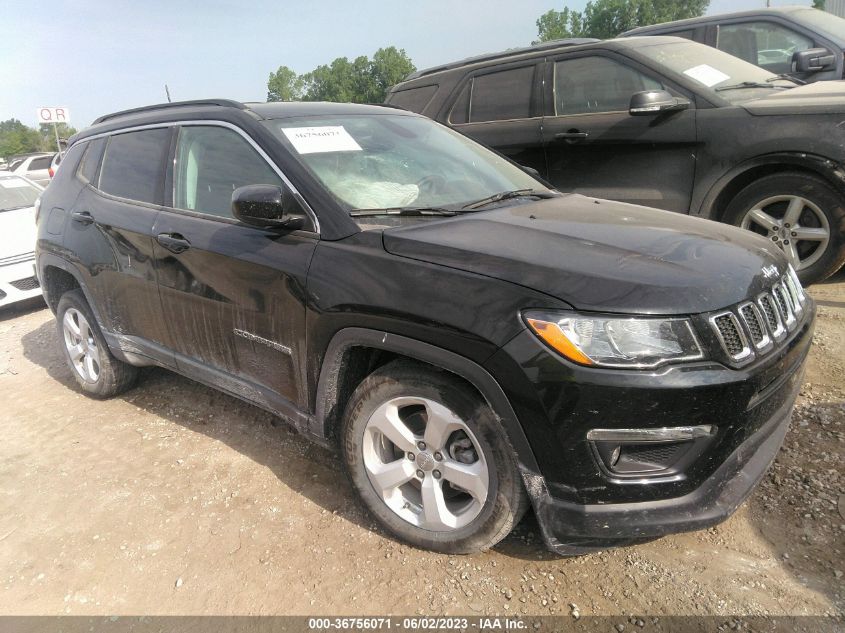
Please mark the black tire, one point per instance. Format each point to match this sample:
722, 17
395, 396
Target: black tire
506, 500
816, 190
113, 376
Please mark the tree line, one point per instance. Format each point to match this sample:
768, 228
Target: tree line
17, 138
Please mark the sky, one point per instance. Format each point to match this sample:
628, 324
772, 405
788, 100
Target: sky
99, 56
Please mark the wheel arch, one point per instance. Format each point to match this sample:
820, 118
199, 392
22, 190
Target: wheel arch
354, 353
730, 184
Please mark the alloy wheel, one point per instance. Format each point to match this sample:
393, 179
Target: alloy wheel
81, 345
425, 463
797, 225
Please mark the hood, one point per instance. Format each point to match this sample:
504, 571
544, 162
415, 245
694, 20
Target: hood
17, 232
821, 97
599, 255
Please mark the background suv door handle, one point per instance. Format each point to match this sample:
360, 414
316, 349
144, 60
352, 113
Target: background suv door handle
571, 136
83, 217
174, 242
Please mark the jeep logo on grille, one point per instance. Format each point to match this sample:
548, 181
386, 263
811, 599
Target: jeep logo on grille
770, 271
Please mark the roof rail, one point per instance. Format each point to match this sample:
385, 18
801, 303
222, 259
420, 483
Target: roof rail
175, 104
575, 41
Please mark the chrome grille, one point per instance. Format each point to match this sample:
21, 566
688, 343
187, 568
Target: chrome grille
760, 323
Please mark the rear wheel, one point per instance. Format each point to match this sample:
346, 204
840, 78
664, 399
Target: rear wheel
96, 370
430, 460
800, 213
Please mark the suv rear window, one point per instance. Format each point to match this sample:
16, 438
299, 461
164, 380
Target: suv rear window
495, 97
133, 164
40, 163
414, 99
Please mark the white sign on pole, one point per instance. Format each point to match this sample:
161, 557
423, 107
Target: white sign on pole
53, 115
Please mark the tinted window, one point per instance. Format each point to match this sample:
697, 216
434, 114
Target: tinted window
502, 95
132, 165
765, 44
87, 170
211, 162
687, 34
40, 163
415, 99
596, 84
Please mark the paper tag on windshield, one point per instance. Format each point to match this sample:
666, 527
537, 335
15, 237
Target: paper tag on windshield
13, 183
706, 75
314, 140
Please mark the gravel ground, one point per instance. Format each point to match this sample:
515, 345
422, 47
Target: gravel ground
176, 499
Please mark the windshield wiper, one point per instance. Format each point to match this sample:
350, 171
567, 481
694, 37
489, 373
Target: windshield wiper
506, 195
750, 84
403, 211
786, 77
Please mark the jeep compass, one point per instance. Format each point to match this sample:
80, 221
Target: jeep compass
468, 340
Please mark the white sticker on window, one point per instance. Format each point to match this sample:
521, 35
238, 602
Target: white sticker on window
314, 140
13, 183
706, 75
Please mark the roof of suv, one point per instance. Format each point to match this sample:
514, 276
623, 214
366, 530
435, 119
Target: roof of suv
204, 107
691, 22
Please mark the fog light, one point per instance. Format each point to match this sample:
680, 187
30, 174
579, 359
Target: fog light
660, 452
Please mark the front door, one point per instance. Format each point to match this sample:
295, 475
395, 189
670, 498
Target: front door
595, 147
233, 295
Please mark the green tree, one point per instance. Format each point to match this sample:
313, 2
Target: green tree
284, 85
608, 18
17, 138
819, 4
48, 136
362, 80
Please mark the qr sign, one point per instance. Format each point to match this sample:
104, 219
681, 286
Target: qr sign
53, 115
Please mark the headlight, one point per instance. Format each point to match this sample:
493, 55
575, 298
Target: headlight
607, 341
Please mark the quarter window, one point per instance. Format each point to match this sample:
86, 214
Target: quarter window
133, 164
586, 85
40, 163
764, 44
211, 162
414, 99
87, 169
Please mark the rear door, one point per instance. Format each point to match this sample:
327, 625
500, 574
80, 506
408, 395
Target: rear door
233, 295
110, 230
595, 147
502, 108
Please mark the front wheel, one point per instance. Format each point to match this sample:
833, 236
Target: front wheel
800, 213
430, 461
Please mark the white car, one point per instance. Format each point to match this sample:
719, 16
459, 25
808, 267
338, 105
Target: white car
36, 168
18, 196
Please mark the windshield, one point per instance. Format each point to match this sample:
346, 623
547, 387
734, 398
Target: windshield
716, 71
16, 193
397, 161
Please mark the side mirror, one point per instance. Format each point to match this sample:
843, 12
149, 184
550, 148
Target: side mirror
655, 102
813, 60
267, 206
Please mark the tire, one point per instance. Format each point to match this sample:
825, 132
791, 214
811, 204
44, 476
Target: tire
821, 209
97, 372
427, 403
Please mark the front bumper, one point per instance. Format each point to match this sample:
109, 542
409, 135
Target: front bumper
18, 280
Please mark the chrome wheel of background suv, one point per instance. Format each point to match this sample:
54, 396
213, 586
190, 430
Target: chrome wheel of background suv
425, 463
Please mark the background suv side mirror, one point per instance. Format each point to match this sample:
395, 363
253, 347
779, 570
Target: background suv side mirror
655, 102
813, 60
267, 206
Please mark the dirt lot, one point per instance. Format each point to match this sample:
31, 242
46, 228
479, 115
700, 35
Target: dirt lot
176, 499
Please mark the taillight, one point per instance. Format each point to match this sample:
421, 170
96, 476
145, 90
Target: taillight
51, 172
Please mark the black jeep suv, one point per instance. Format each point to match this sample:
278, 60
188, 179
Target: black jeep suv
664, 122
467, 339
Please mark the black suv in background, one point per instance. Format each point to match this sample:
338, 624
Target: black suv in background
801, 41
467, 339
663, 122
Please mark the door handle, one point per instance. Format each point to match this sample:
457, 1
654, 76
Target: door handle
83, 217
173, 242
571, 136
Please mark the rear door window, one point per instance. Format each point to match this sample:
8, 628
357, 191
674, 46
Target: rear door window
133, 165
